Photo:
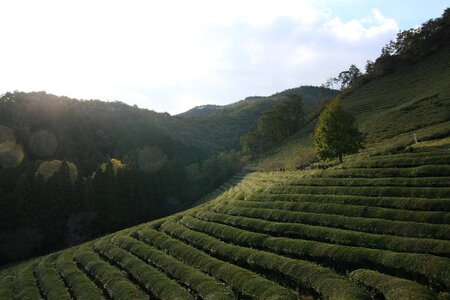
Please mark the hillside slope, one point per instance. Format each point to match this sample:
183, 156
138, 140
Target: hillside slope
360, 231
414, 99
311, 95
166, 164
221, 127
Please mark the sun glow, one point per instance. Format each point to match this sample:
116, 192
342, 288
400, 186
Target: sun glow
173, 55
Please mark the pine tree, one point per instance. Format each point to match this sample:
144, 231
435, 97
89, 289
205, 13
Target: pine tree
336, 133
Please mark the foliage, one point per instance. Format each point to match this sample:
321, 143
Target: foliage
353, 211
276, 125
7, 286
246, 282
391, 287
116, 165
281, 235
202, 284
112, 280
349, 78
438, 269
278, 235
93, 167
76, 280
370, 225
336, 133
416, 96
154, 282
224, 127
410, 203
48, 168
298, 270
416, 42
49, 280
328, 234
212, 172
408, 47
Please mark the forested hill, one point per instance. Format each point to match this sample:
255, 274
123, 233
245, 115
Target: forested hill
224, 125
72, 169
310, 95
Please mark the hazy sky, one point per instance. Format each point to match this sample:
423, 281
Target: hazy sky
173, 55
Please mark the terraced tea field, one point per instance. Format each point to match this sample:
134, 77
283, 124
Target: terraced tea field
374, 228
414, 99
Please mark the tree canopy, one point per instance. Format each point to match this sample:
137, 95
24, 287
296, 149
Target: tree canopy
408, 46
336, 133
276, 125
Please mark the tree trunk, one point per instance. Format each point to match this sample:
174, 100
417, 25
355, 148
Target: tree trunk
340, 158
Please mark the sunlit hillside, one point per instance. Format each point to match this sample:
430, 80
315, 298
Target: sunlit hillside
413, 100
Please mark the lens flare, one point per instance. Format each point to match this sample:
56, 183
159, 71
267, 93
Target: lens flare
7, 147
11, 154
43, 144
7, 135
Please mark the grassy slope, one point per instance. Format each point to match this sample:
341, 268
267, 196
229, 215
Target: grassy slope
339, 233
374, 227
413, 99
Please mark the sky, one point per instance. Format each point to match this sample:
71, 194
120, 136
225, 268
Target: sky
172, 55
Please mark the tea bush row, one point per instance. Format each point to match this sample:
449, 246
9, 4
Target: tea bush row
77, 281
331, 235
239, 279
26, 286
383, 182
115, 282
421, 171
50, 281
397, 228
392, 288
327, 283
408, 203
375, 191
434, 217
7, 286
435, 269
205, 286
398, 161
155, 282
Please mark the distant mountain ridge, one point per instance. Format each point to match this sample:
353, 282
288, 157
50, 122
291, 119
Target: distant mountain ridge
201, 110
310, 100
220, 127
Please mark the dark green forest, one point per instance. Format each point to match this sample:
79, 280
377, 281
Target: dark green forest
72, 170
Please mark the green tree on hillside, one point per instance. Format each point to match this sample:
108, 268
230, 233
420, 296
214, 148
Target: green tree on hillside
276, 125
336, 133
349, 78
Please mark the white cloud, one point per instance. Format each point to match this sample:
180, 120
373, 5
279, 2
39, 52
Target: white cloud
355, 30
173, 55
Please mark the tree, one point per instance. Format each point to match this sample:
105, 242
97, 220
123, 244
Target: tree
349, 78
276, 125
336, 133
